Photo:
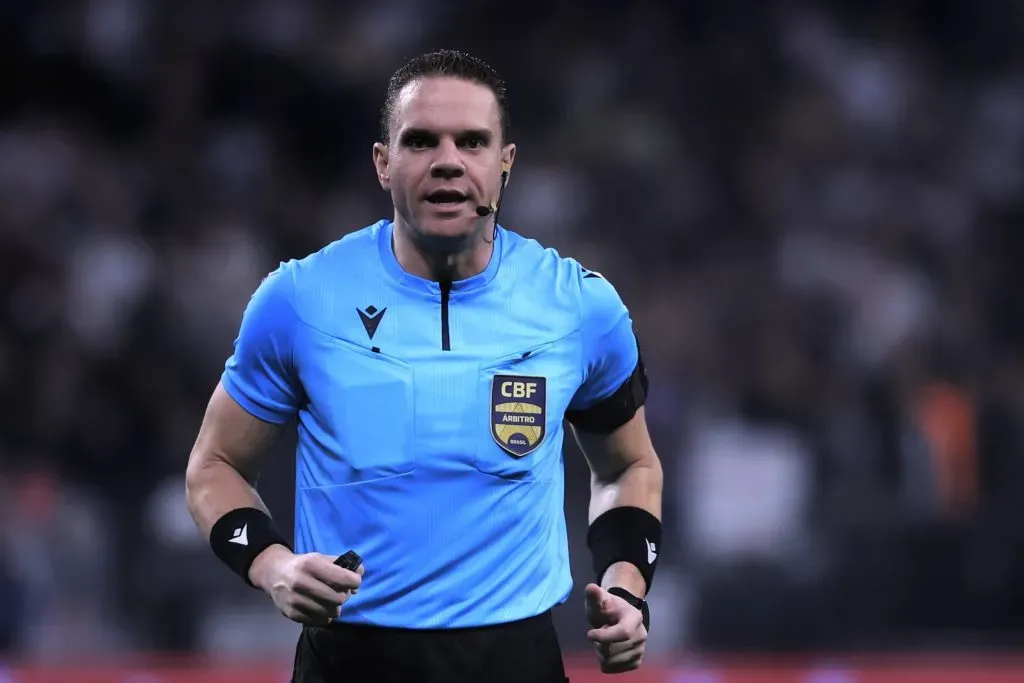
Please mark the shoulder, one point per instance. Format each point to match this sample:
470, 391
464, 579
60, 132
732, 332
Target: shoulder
528, 259
566, 279
337, 259
300, 288
333, 268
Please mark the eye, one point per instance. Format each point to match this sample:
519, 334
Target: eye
416, 142
474, 142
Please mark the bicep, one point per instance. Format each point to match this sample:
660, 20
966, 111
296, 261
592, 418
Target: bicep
612, 369
231, 435
260, 375
611, 454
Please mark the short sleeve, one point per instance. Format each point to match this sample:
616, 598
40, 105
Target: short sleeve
610, 351
260, 373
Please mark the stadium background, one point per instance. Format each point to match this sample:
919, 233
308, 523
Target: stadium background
813, 209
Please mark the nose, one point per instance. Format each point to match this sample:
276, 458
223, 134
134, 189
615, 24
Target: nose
447, 161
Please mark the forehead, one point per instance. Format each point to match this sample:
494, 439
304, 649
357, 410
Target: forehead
446, 105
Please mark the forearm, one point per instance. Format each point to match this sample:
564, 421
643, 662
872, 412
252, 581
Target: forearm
638, 485
224, 464
213, 488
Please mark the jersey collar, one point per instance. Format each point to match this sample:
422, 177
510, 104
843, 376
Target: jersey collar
394, 269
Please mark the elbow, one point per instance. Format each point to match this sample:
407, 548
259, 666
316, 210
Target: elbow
651, 474
196, 477
657, 483
638, 484
192, 481
643, 474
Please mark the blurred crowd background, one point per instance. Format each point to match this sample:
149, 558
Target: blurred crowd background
813, 209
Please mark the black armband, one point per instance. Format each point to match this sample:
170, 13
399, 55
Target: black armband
242, 534
607, 415
625, 534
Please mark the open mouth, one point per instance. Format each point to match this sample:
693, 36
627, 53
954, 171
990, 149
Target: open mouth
446, 198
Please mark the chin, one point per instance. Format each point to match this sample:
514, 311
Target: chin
449, 234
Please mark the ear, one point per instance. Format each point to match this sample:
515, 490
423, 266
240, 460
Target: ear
380, 163
508, 157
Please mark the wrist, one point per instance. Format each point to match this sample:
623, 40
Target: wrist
242, 535
625, 575
628, 535
636, 601
261, 571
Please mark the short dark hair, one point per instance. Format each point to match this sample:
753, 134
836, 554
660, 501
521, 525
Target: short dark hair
452, 63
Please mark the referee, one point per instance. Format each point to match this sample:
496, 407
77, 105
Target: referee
428, 363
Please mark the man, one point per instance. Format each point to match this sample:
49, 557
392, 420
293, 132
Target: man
429, 361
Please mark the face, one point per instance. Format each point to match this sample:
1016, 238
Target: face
444, 158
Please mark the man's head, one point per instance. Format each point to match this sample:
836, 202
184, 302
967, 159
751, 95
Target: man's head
443, 144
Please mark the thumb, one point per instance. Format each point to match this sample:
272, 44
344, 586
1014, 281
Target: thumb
595, 595
597, 604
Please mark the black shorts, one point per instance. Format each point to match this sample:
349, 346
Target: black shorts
518, 652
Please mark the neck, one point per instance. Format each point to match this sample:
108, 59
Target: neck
441, 260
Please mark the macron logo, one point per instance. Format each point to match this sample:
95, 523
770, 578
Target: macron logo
652, 552
240, 536
371, 318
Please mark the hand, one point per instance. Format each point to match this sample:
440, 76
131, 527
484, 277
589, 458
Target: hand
617, 630
309, 589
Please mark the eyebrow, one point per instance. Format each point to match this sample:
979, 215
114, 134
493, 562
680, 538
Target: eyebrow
483, 133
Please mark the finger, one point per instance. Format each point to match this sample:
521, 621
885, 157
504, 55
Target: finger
305, 610
322, 568
615, 633
622, 667
324, 595
618, 628
618, 651
628, 657
623, 618
626, 660
620, 656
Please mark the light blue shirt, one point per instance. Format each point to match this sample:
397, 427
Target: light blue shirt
430, 423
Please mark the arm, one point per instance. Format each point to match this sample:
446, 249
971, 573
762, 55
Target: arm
625, 472
224, 466
607, 416
624, 538
220, 484
258, 393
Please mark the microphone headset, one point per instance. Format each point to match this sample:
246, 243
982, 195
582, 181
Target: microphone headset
484, 211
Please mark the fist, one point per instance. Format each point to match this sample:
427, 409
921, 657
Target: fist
308, 589
617, 630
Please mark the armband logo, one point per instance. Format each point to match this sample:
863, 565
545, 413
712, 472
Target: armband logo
240, 535
518, 413
652, 552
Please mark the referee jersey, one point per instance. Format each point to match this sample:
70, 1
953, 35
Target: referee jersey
430, 418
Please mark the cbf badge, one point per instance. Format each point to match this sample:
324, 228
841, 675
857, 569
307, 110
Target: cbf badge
517, 413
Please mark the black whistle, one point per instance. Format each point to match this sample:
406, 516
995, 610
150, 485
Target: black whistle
349, 561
